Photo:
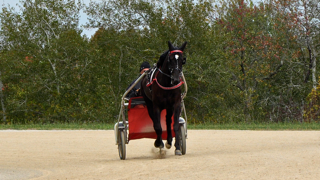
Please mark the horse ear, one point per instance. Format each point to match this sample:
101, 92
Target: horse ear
170, 46
183, 46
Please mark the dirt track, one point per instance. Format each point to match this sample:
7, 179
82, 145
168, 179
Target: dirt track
210, 155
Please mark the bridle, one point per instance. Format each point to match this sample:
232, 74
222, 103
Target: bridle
170, 76
170, 68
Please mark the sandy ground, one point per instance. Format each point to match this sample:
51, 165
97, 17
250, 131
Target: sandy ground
211, 154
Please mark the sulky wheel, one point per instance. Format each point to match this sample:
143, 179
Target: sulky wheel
122, 145
183, 145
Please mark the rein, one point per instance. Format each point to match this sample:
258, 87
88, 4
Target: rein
164, 73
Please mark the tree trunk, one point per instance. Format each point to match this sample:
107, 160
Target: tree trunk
314, 71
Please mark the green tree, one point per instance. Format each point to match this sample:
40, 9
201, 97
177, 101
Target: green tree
262, 55
134, 31
44, 57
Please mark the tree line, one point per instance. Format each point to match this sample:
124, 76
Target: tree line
246, 61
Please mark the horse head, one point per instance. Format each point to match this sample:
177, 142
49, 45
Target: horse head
173, 62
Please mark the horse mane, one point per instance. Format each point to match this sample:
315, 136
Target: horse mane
162, 58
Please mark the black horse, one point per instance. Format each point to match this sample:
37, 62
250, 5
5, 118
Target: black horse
162, 91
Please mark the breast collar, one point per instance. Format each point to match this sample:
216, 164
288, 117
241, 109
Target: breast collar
152, 80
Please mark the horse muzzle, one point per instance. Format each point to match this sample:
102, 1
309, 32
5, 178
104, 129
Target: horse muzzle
175, 80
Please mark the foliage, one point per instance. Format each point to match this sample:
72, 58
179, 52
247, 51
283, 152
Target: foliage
246, 62
263, 60
312, 110
44, 62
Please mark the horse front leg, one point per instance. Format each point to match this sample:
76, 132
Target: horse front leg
157, 127
168, 123
176, 128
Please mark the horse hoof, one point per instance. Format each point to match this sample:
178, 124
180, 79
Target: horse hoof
157, 145
178, 153
168, 146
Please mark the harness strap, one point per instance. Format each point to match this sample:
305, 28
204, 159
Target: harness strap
162, 87
170, 88
154, 79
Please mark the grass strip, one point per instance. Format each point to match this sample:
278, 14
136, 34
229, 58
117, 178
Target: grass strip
208, 126
258, 126
58, 126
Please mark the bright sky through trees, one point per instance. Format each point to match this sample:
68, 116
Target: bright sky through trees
83, 18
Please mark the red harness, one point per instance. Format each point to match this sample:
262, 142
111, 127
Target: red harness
178, 51
162, 87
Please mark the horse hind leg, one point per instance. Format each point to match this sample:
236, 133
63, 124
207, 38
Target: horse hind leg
176, 128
